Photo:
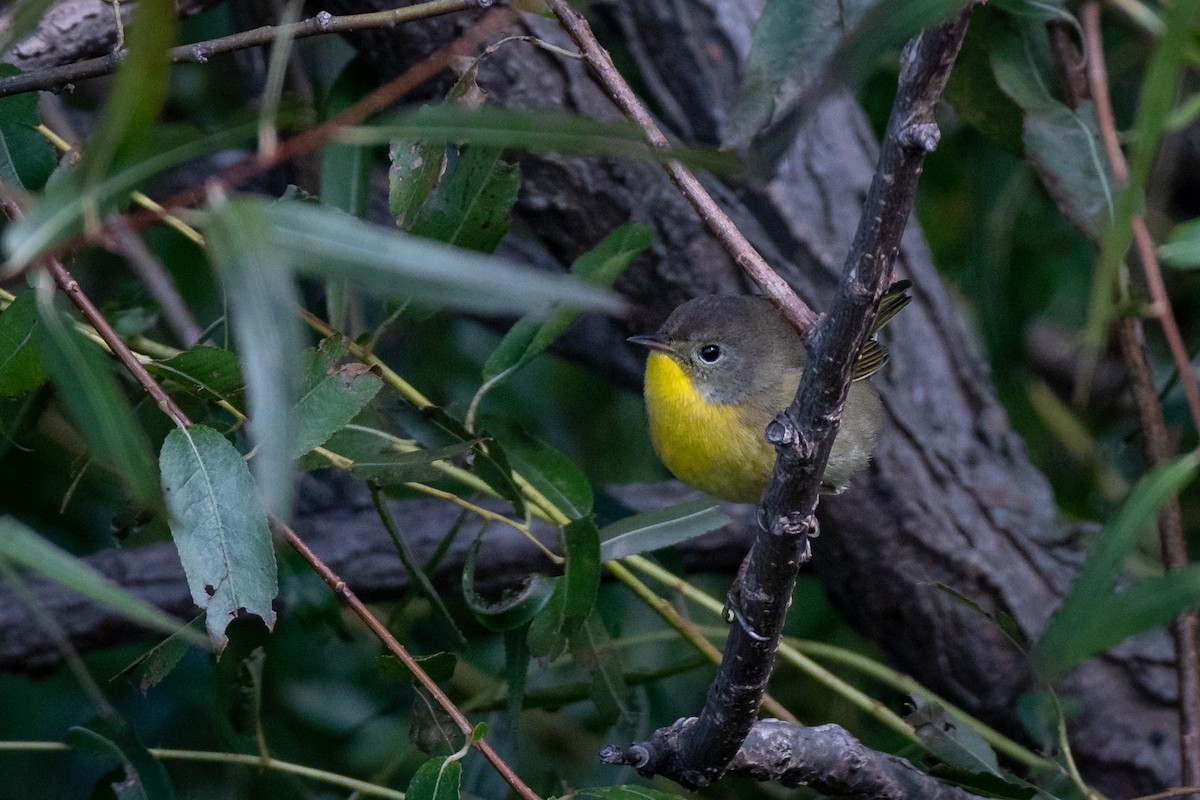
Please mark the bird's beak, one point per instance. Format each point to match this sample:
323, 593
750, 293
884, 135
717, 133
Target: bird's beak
654, 341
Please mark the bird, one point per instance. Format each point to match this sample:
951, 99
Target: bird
721, 368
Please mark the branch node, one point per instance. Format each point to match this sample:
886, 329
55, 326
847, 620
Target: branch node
781, 431
324, 20
921, 135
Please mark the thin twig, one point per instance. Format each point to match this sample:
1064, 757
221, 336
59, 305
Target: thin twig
55, 78
1156, 446
803, 318
157, 280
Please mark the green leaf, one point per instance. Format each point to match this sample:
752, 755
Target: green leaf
1182, 250
326, 242
21, 369
581, 576
159, 661
514, 608
552, 473
412, 177
331, 403
138, 92
662, 527
949, 740
81, 376
470, 207
209, 373
1062, 144
600, 266
21, 545
1077, 630
26, 157
516, 668
972, 88
546, 638
437, 779
59, 213
592, 649
537, 131
142, 776
390, 468
438, 666
219, 527
794, 40
1040, 10
261, 290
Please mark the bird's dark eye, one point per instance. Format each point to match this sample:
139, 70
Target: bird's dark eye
710, 353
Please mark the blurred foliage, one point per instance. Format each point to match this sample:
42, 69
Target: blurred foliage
315, 690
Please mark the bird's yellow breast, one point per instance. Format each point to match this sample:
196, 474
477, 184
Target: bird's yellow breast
719, 449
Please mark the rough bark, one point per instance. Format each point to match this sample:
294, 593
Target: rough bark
950, 498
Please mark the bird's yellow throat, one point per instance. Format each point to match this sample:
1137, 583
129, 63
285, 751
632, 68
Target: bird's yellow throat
708, 445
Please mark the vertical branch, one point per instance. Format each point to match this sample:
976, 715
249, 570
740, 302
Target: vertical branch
1155, 444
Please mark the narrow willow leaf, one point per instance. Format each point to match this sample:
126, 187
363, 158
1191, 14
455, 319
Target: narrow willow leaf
391, 467
21, 545
625, 793
159, 661
210, 373
471, 205
138, 92
26, 158
663, 527
392, 264
21, 367
950, 740
600, 266
538, 131
1076, 630
515, 608
261, 290
551, 472
546, 638
143, 777
437, 779
581, 576
59, 213
219, 527
96, 402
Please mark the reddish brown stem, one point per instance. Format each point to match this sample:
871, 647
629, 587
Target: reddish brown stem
1156, 445
803, 318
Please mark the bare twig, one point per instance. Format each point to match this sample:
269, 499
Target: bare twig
701, 748
55, 78
1156, 446
803, 318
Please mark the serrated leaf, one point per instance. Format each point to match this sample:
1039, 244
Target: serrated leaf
514, 608
262, 292
326, 242
332, 403
437, 779
209, 373
471, 205
663, 527
537, 131
1077, 631
219, 527
21, 545
412, 177
21, 367
96, 402
600, 266
142, 776
26, 157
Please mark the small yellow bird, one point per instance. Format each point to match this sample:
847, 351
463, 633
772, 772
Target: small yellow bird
721, 368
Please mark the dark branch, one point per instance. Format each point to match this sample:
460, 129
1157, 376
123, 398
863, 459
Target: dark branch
825, 758
804, 434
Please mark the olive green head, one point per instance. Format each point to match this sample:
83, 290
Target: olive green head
731, 346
